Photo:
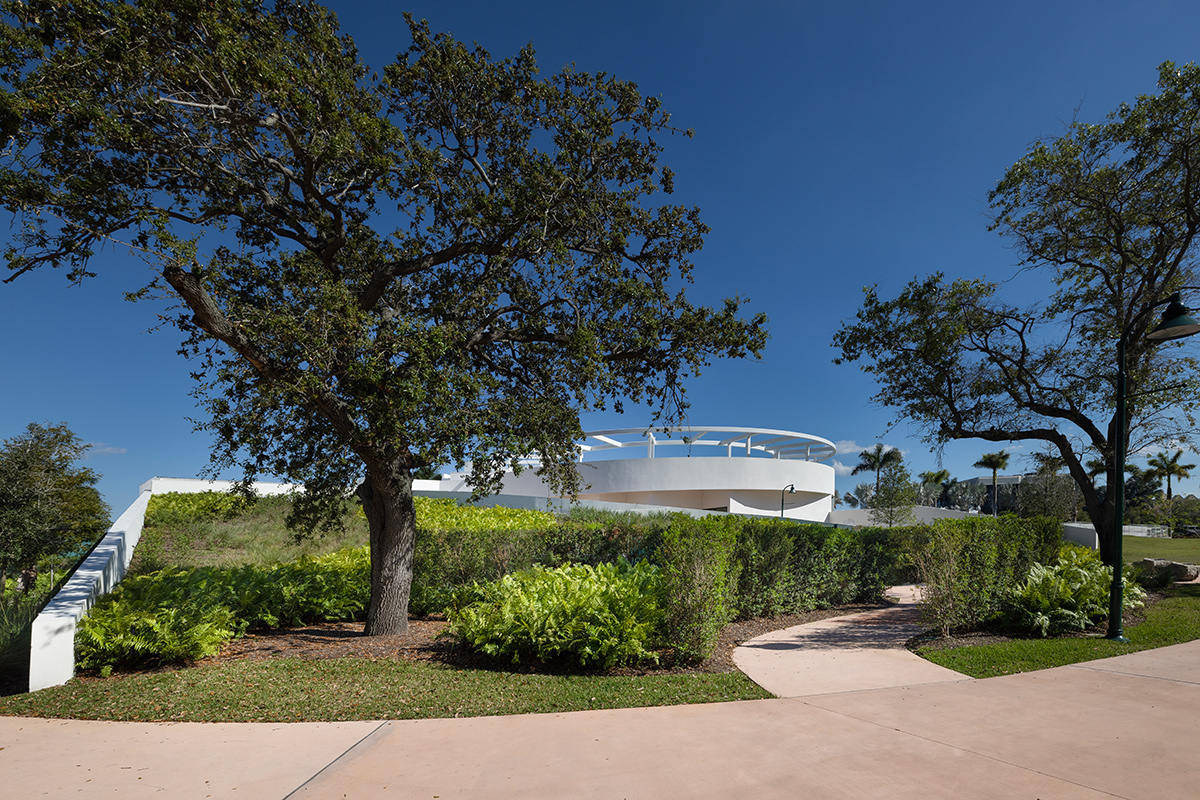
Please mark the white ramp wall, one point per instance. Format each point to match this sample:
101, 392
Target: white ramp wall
52, 649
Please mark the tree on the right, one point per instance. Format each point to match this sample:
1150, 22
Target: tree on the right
1109, 212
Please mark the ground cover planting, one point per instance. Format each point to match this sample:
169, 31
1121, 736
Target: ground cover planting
1172, 620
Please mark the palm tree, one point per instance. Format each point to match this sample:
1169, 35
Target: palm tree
935, 478
875, 460
1163, 467
995, 462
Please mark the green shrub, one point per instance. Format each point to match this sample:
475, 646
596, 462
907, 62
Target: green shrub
146, 619
699, 582
786, 567
1068, 595
461, 544
595, 616
124, 635
176, 508
767, 585
969, 567
593, 536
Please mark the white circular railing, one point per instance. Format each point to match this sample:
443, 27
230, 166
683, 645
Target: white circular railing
745, 442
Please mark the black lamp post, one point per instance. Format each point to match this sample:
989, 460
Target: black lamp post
1176, 324
789, 489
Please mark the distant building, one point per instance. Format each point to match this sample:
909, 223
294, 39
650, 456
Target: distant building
740, 470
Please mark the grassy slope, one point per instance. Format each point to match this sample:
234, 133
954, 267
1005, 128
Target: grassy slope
258, 536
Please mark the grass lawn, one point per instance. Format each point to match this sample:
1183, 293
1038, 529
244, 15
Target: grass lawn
1172, 620
295, 690
1185, 551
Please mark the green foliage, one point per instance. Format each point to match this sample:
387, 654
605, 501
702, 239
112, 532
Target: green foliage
600, 616
17, 613
699, 582
446, 514
373, 275
49, 507
123, 635
1174, 620
591, 536
895, 495
149, 619
767, 586
1067, 595
180, 508
1107, 211
970, 566
461, 544
785, 567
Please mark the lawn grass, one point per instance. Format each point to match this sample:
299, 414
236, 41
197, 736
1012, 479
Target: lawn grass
1185, 551
1173, 620
340, 689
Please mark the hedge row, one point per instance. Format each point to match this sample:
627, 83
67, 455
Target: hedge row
707, 572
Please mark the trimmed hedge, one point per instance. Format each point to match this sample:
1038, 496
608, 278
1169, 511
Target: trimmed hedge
970, 567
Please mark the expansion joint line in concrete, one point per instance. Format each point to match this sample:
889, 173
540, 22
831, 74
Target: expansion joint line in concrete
967, 750
1084, 665
336, 759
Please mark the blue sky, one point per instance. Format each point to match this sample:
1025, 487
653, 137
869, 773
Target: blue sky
836, 145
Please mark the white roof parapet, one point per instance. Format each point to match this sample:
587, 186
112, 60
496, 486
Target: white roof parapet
777, 444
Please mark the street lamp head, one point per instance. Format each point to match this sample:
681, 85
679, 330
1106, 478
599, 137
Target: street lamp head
1176, 323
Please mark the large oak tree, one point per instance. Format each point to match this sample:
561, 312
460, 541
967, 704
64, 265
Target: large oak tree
1110, 213
446, 262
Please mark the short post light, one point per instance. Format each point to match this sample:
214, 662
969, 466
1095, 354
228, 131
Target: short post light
1177, 323
789, 489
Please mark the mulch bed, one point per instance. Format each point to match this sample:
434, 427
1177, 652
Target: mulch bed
422, 642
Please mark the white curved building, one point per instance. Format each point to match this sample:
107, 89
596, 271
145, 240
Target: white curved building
740, 470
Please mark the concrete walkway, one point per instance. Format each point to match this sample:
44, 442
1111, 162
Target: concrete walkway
843, 654
1121, 727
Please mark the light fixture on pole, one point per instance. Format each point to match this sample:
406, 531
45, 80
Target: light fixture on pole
1176, 324
789, 489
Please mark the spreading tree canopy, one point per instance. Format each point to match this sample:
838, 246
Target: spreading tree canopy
48, 503
1110, 211
444, 263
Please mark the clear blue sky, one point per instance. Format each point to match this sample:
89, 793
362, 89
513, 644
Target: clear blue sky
837, 145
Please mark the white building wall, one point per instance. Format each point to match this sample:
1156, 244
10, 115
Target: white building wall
739, 484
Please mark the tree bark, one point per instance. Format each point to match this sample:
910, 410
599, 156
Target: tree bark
392, 518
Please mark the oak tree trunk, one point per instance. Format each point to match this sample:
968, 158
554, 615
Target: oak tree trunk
392, 518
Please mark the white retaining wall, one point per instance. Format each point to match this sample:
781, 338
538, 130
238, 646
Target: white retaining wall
52, 649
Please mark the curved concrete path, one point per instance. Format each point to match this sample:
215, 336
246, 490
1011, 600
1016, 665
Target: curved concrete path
843, 654
1120, 727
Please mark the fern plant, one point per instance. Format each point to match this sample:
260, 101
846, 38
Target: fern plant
1068, 595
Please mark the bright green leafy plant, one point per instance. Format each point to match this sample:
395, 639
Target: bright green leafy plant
1068, 595
594, 616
